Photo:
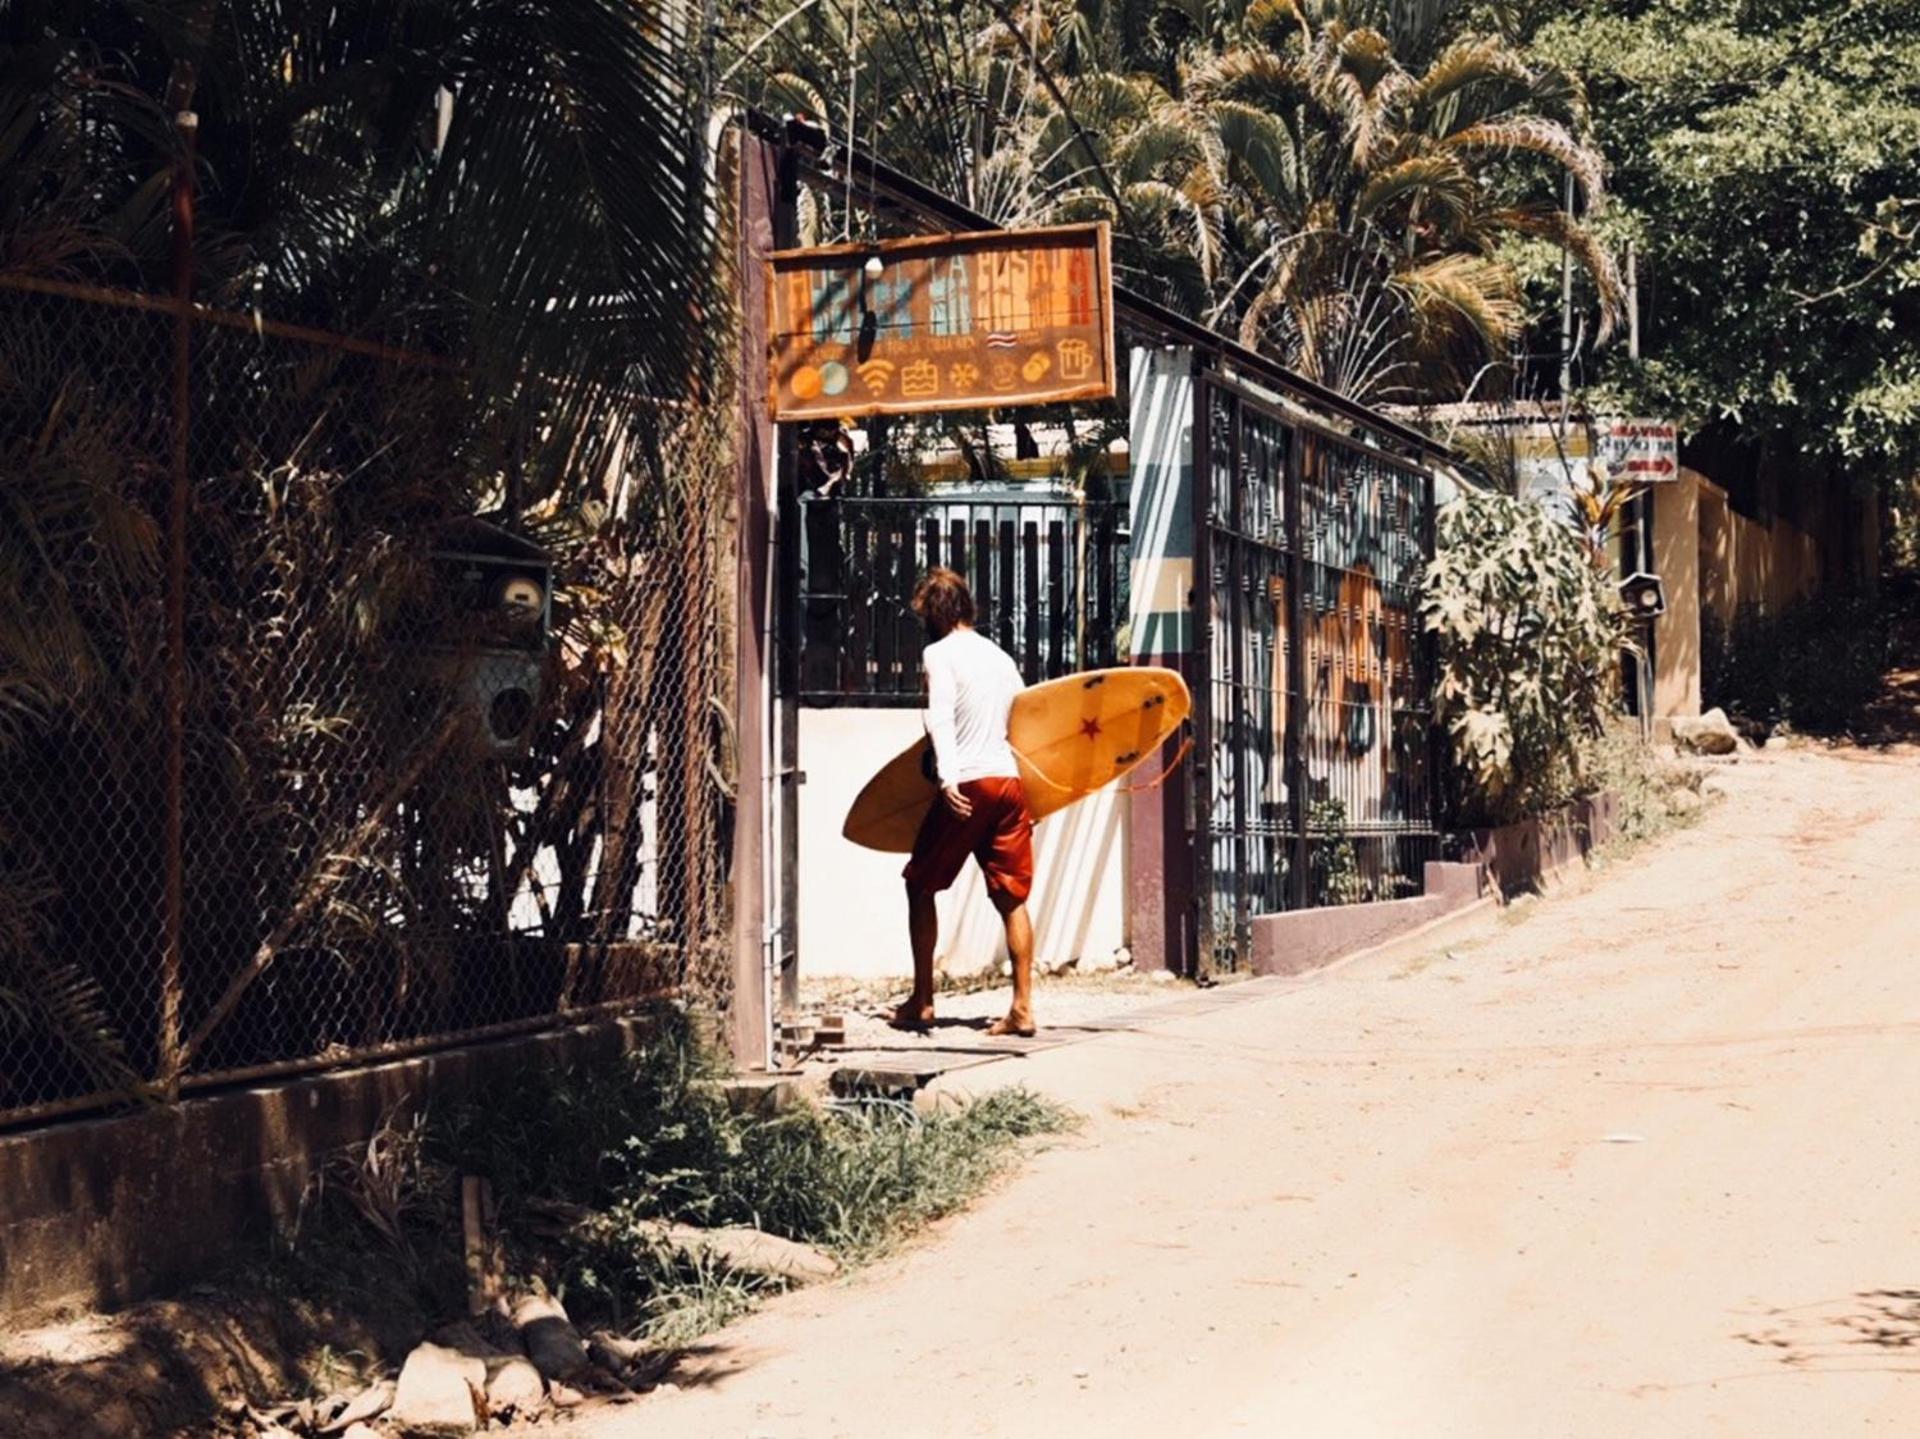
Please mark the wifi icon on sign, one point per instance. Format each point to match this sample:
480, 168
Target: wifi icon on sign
876, 375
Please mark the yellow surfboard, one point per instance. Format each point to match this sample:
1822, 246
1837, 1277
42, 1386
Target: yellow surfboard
1071, 736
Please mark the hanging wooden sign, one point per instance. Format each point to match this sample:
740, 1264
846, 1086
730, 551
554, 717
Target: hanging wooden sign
943, 322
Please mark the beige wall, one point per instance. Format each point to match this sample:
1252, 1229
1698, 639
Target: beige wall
1745, 562
1711, 558
1676, 634
853, 910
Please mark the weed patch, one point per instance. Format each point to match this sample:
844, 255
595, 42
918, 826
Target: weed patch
1645, 780
587, 1163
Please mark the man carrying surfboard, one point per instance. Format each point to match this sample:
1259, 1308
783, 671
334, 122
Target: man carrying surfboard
982, 809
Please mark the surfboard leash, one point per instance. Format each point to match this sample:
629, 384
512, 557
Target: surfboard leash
1166, 773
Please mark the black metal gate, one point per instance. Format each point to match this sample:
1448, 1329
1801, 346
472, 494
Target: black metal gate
1315, 744
1048, 572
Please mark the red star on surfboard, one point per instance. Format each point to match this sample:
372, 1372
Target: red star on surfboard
1090, 728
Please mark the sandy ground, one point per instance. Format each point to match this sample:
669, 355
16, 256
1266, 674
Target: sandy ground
1638, 1160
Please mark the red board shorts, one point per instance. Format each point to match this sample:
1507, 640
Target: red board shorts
999, 834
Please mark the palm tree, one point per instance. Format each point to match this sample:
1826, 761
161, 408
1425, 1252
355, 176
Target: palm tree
943, 90
514, 187
1367, 202
1335, 180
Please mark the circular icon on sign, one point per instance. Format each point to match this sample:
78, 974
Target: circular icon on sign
805, 383
834, 378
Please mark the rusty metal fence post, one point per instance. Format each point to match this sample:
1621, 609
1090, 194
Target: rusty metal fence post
1300, 454
178, 508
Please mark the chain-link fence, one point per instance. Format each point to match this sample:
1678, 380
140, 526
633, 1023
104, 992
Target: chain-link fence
417, 774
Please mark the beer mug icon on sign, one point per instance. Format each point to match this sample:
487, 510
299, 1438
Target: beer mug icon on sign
1076, 359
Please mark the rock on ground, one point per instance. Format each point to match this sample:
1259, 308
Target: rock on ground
435, 1396
514, 1387
553, 1344
751, 1251
1712, 733
369, 1403
1683, 801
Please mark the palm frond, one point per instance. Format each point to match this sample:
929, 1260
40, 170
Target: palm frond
1184, 209
1465, 290
1157, 149
1547, 222
788, 93
1256, 147
48, 1004
1261, 78
1560, 92
1469, 61
1103, 101
1437, 183
82, 174
1360, 81
1276, 22
1539, 137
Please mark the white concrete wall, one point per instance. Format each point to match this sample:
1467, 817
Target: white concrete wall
853, 908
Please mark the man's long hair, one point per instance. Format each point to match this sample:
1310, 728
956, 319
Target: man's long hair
943, 601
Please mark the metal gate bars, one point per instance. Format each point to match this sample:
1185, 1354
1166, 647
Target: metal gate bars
1315, 751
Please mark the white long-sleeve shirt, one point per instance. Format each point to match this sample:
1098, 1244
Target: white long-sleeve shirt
971, 685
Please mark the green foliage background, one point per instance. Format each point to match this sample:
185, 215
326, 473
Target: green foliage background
1765, 160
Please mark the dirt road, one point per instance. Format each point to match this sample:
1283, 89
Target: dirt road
1639, 1161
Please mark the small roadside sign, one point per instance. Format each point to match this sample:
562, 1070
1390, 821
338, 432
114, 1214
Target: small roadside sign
1647, 451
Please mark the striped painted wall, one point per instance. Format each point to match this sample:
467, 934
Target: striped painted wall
1160, 623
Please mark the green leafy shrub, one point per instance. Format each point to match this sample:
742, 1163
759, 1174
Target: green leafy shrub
1336, 877
1816, 665
1530, 633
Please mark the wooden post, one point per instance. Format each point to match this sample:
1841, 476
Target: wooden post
476, 1229
749, 1035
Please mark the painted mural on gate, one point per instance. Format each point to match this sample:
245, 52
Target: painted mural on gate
1361, 562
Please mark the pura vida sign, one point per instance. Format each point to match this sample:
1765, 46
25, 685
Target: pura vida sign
981, 321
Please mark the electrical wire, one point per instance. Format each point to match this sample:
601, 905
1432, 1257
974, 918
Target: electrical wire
1052, 86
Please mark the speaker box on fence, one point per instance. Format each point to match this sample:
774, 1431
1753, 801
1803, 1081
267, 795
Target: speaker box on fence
1644, 596
488, 638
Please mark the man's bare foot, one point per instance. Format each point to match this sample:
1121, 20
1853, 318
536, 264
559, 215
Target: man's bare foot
1019, 1026
912, 1015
